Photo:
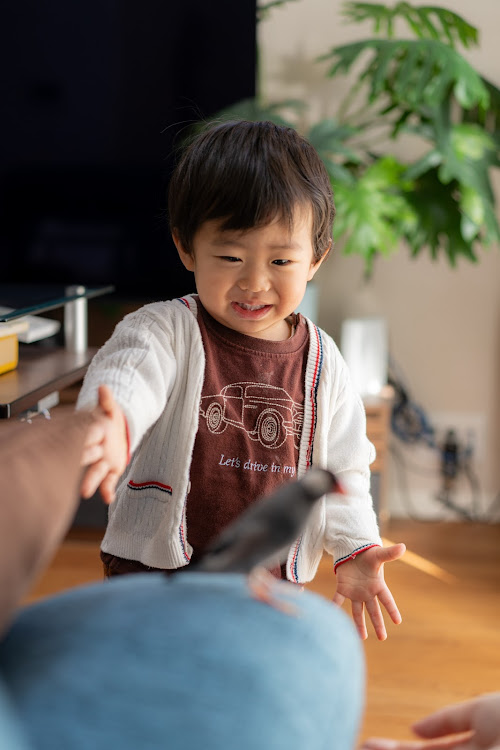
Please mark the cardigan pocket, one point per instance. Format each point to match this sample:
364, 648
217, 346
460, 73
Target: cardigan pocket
142, 510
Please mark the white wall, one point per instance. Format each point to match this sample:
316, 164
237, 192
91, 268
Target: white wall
444, 324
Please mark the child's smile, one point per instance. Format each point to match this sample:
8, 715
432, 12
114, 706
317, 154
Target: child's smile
250, 312
252, 281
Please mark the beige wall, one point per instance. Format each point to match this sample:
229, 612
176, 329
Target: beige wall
444, 324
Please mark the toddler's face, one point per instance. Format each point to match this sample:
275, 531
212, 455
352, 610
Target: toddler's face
252, 281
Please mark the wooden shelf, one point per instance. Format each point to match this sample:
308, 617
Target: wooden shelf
377, 428
378, 414
42, 370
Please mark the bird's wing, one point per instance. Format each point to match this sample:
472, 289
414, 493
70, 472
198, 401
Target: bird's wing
237, 548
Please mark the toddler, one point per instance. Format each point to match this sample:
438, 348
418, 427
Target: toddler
220, 396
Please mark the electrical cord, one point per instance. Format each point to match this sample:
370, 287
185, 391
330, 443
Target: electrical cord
402, 467
408, 421
444, 498
422, 471
410, 425
474, 484
492, 513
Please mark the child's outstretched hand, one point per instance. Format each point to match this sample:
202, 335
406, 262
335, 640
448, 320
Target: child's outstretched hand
362, 581
106, 448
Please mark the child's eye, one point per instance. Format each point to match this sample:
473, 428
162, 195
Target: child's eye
281, 262
229, 258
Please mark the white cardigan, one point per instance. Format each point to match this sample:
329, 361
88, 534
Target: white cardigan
154, 364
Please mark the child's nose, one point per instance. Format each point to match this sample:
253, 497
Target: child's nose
254, 279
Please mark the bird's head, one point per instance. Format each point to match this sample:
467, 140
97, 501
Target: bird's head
318, 482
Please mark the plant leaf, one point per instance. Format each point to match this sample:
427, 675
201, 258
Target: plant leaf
419, 74
468, 153
440, 221
479, 219
329, 139
430, 160
263, 9
373, 213
425, 21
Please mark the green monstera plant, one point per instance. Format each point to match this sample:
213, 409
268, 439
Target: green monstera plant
415, 86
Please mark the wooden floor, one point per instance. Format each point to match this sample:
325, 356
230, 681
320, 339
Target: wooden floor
448, 590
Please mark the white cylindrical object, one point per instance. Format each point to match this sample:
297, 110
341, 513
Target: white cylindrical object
310, 302
75, 321
364, 346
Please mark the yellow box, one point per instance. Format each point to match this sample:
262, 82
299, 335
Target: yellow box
9, 353
9, 344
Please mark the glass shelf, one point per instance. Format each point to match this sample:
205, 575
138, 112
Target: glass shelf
34, 299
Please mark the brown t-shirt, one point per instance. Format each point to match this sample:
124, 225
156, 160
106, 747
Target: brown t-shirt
250, 424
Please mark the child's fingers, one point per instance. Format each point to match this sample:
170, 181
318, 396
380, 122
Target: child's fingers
338, 599
93, 478
91, 454
375, 613
95, 432
386, 598
106, 399
394, 552
358, 615
108, 486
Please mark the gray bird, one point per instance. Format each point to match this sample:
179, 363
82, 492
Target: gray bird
262, 535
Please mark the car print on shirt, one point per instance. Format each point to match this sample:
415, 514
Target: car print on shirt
267, 413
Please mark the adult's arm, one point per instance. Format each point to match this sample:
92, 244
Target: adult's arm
40, 474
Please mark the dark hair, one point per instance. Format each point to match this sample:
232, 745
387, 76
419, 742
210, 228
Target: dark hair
247, 174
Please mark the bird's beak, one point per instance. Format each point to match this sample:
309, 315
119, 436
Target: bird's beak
338, 488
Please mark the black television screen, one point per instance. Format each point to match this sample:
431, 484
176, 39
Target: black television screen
96, 94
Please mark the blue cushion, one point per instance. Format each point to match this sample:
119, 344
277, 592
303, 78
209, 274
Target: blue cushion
12, 736
192, 661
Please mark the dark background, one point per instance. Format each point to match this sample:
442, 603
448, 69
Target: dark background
95, 95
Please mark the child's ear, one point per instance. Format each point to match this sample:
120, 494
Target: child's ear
186, 258
317, 263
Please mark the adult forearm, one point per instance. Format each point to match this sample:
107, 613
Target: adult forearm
39, 479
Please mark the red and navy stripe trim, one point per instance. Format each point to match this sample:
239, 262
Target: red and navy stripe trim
318, 365
354, 554
149, 486
182, 535
127, 435
313, 396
